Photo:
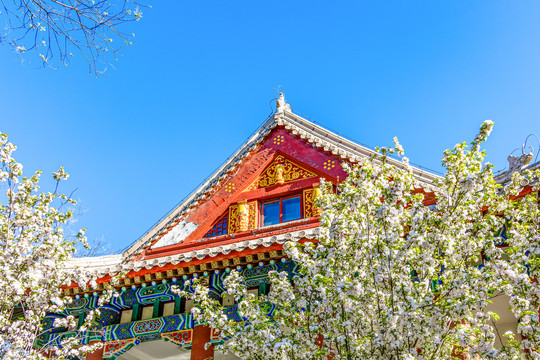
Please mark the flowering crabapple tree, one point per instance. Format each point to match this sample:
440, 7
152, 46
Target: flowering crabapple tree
390, 278
33, 256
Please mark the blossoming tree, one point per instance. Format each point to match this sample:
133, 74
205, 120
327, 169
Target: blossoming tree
33, 256
389, 278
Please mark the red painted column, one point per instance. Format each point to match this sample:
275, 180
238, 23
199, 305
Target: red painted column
201, 336
319, 340
96, 355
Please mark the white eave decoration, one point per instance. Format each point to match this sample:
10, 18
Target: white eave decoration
208, 252
96, 262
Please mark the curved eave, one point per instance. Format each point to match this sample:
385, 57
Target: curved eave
505, 177
96, 263
112, 265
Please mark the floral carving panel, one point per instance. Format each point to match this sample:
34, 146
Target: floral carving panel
116, 348
310, 209
281, 169
235, 218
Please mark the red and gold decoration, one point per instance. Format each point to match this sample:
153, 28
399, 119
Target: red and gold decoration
243, 216
215, 335
279, 139
181, 338
279, 172
310, 196
230, 187
329, 164
114, 349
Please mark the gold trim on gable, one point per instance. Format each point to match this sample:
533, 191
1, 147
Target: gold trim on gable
280, 171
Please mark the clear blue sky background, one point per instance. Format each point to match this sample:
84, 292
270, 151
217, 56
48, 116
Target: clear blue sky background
200, 76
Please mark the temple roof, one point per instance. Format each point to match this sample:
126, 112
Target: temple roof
316, 135
173, 226
114, 264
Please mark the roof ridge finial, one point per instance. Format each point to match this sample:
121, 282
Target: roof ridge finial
515, 163
281, 104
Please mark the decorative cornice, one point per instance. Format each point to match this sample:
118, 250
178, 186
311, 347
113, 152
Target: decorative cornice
114, 267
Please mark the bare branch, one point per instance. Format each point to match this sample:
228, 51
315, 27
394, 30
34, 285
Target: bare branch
56, 29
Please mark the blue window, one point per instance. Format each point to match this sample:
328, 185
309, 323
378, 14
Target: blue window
281, 210
271, 213
219, 228
291, 209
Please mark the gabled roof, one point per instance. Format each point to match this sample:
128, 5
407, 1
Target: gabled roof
296, 125
312, 133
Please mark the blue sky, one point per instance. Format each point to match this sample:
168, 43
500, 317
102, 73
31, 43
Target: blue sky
200, 75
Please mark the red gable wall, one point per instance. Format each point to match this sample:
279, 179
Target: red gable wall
279, 141
304, 152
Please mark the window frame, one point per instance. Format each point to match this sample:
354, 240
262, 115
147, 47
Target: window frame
219, 222
280, 200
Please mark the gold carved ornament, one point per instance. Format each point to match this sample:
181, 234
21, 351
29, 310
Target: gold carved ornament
242, 217
310, 198
280, 171
253, 215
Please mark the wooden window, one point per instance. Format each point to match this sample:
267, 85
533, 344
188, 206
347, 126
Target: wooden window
220, 227
281, 210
